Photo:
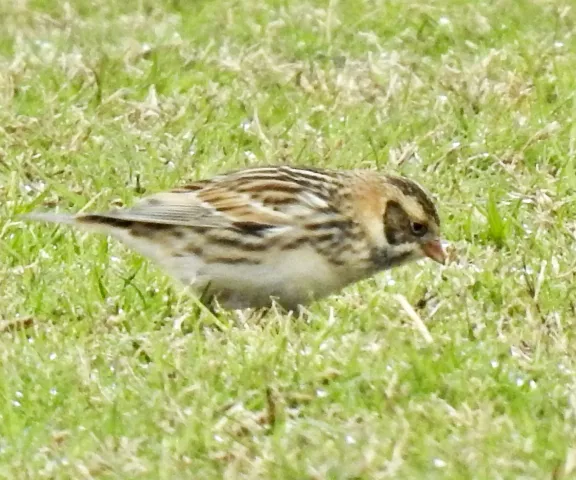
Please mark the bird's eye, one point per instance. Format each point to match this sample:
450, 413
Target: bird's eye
418, 229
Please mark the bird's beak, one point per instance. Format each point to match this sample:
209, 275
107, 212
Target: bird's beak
433, 249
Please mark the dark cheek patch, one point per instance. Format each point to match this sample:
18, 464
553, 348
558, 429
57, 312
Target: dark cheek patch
396, 224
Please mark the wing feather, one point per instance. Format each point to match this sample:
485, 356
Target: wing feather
264, 200
190, 209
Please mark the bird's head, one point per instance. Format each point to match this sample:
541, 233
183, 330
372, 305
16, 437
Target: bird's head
411, 222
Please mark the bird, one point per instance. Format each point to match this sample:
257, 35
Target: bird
281, 234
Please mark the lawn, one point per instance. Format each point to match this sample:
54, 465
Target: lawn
110, 370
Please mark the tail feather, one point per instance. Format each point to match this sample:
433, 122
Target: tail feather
51, 217
91, 221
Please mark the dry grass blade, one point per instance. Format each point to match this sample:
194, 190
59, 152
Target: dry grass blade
416, 319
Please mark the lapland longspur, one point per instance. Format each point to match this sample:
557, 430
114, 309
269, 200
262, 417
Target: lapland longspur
282, 233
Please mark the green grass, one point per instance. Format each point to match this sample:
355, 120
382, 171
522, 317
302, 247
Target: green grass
109, 370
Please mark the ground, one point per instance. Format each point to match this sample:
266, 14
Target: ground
110, 370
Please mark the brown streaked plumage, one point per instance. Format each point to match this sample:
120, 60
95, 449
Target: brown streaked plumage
286, 233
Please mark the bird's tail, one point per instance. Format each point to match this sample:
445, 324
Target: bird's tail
51, 217
94, 222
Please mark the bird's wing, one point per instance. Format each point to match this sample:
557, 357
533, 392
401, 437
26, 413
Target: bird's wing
260, 200
188, 209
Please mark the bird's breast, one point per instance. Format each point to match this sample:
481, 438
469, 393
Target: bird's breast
294, 277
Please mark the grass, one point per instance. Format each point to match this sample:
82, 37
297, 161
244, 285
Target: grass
109, 370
